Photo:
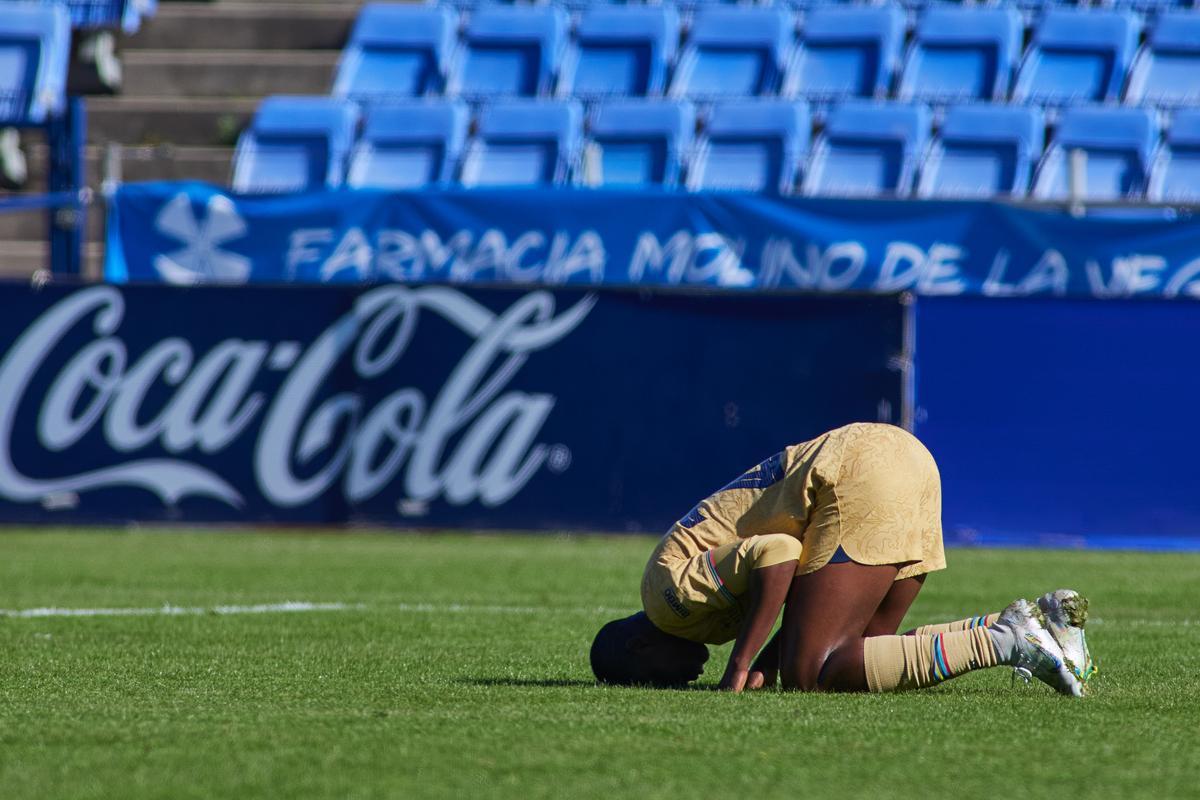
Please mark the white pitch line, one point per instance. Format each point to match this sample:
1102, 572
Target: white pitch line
177, 611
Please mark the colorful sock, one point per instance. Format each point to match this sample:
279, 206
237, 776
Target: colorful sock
958, 625
914, 662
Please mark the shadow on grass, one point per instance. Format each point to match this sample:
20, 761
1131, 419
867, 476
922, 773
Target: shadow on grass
552, 683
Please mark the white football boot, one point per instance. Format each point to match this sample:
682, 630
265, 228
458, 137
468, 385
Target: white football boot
1066, 611
1028, 647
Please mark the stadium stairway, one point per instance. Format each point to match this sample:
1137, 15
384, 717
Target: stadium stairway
193, 77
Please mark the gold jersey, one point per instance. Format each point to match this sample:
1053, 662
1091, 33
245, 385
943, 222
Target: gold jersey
871, 489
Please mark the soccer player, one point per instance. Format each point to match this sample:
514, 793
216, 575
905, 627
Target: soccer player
840, 533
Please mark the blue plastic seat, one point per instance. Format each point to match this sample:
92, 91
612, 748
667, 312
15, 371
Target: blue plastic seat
295, 144
983, 151
509, 51
1077, 56
409, 145
123, 14
1118, 144
524, 143
846, 52
1175, 174
1166, 72
396, 50
752, 146
621, 51
868, 149
34, 48
734, 52
962, 54
639, 143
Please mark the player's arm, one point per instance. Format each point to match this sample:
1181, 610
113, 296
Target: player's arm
768, 589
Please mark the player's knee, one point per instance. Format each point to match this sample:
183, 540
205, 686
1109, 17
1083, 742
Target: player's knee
817, 671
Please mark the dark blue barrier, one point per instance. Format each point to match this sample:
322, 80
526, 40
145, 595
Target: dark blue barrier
430, 406
1064, 423
189, 233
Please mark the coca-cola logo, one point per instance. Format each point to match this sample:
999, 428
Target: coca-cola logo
475, 440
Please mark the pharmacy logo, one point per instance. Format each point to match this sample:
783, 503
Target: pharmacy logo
202, 260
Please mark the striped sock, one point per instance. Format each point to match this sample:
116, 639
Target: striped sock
958, 625
915, 662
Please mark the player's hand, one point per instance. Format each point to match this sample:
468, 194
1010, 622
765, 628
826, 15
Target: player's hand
734, 680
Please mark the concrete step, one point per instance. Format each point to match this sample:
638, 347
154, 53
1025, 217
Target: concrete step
177, 120
161, 163
246, 26
20, 259
29, 225
228, 73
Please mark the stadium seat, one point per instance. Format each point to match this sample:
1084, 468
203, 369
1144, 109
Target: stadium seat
34, 49
396, 50
620, 51
846, 52
753, 146
961, 54
1077, 56
734, 52
409, 145
509, 51
868, 149
1175, 174
1166, 72
124, 14
983, 150
1118, 144
638, 143
295, 144
524, 143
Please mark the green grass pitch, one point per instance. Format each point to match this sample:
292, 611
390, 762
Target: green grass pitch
457, 668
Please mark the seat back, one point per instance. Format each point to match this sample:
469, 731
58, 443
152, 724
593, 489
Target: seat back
868, 149
962, 54
734, 52
396, 50
524, 143
409, 145
753, 146
983, 151
846, 52
620, 51
1118, 144
295, 144
1077, 56
509, 51
34, 49
1175, 174
1166, 71
639, 143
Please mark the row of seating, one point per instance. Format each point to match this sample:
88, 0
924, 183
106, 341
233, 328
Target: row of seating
955, 54
1150, 6
126, 15
863, 149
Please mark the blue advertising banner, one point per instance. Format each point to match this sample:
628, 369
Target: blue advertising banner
188, 233
426, 405
1062, 423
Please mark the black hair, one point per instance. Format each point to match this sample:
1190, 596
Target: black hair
611, 660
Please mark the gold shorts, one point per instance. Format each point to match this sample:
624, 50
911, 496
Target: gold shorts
698, 598
878, 496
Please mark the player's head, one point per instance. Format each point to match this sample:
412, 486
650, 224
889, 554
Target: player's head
632, 651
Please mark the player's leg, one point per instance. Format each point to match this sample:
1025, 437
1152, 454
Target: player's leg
824, 650
827, 611
895, 605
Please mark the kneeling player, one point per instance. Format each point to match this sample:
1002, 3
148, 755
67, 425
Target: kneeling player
839, 532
